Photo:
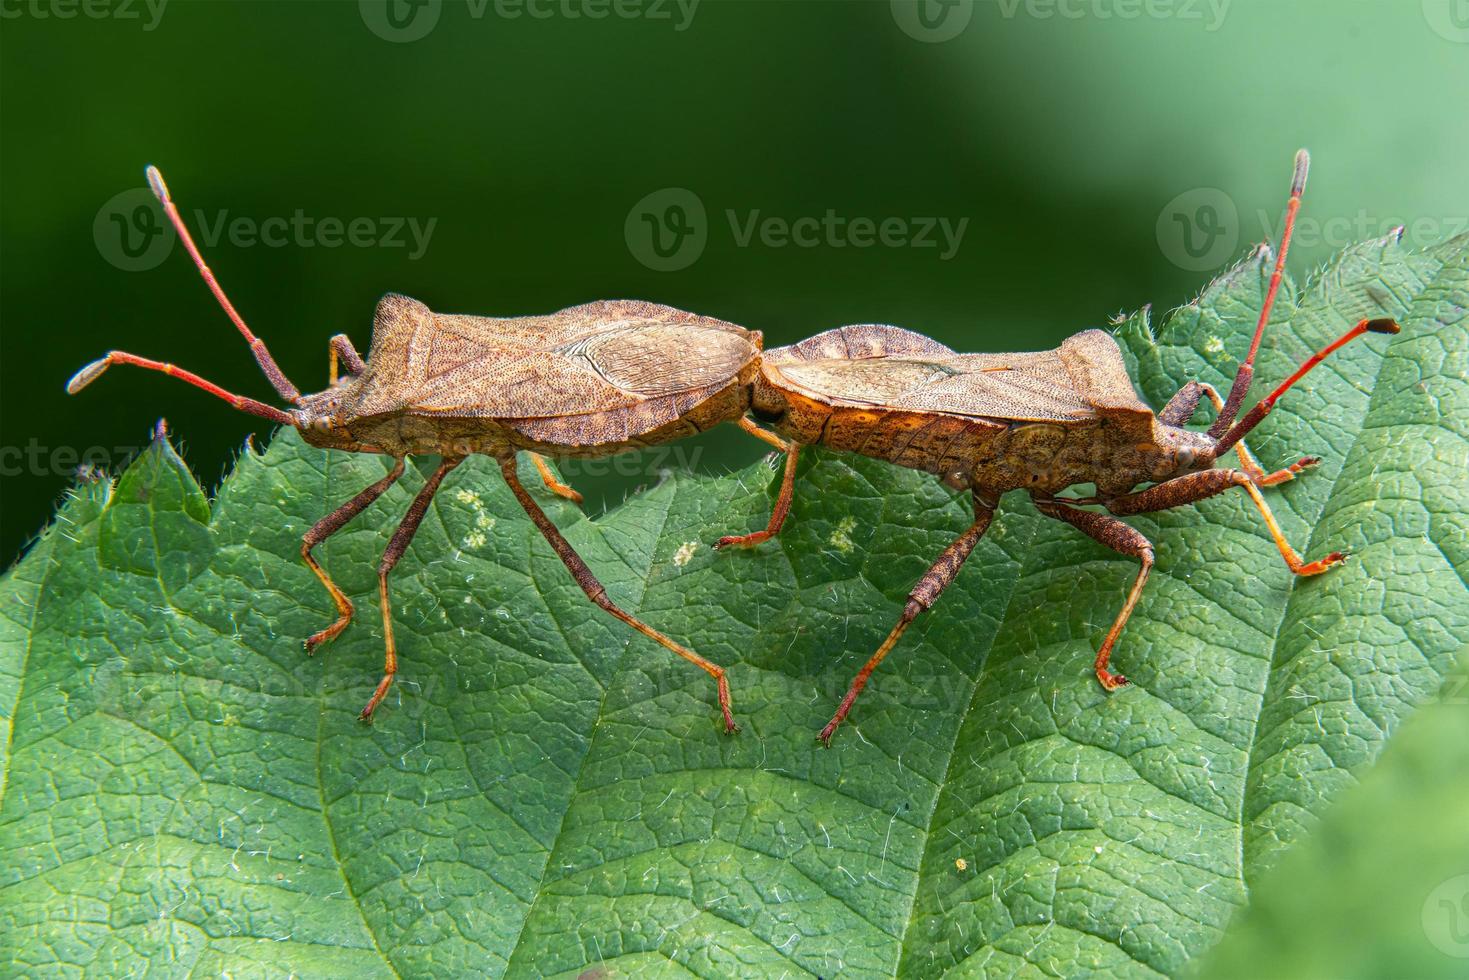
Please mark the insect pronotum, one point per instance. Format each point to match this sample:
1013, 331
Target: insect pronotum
589, 381
1035, 422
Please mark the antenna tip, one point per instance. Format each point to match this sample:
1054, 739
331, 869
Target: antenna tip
1384, 324
1303, 166
155, 181
87, 375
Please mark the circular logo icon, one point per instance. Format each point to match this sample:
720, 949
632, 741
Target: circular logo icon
1199, 229
132, 232
667, 230
1449, 19
932, 21
1446, 917
400, 21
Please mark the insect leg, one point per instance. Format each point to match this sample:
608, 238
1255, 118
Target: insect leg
1185, 402
777, 516
342, 349
598, 593
1122, 539
325, 528
769, 438
1208, 483
554, 485
924, 594
398, 544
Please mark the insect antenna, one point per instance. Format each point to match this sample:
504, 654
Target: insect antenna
1246, 372
1253, 416
94, 371
277, 377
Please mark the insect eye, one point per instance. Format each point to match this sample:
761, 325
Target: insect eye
322, 424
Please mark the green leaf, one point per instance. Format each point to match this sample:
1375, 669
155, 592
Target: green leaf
546, 792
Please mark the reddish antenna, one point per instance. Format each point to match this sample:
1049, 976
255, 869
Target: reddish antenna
1253, 416
277, 377
1246, 372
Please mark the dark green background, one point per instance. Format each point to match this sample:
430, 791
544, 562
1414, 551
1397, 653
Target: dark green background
1062, 139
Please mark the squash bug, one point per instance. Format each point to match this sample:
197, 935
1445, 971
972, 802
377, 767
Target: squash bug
1036, 422
590, 381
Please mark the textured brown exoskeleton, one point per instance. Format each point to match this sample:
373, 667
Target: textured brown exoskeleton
1038, 422
589, 381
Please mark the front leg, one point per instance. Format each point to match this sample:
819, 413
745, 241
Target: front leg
1180, 409
1122, 539
343, 351
1210, 483
325, 528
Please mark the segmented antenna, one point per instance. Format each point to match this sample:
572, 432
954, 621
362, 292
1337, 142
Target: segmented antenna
1246, 372
277, 377
1253, 417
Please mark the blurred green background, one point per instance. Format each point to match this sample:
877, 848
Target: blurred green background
1086, 156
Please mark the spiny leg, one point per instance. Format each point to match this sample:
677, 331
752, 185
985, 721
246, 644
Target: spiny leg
923, 595
778, 515
1122, 539
1209, 483
554, 485
325, 528
397, 545
598, 593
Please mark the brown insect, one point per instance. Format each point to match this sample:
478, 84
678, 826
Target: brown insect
1037, 422
589, 381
